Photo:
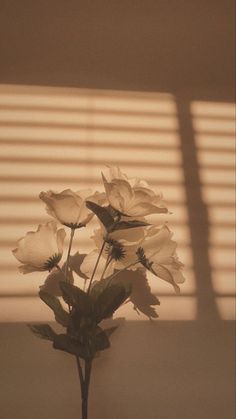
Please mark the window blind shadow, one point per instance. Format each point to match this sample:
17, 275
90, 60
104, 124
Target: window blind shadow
55, 138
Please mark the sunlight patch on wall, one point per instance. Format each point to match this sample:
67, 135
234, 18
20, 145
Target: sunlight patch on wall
214, 126
57, 138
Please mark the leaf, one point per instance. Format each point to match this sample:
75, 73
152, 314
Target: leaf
141, 296
65, 343
51, 284
110, 330
98, 287
110, 300
124, 225
101, 340
164, 273
61, 315
102, 213
43, 331
75, 297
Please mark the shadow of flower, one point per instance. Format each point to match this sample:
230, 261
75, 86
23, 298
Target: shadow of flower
141, 296
51, 284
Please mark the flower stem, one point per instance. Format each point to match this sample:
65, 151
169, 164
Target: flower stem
96, 265
72, 232
80, 372
84, 384
108, 261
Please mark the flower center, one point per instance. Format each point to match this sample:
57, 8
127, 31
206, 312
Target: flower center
52, 261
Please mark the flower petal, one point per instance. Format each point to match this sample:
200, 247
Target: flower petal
89, 262
25, 269
65, 206
61, 234
145, 208
156, 237
38, 248
164, 273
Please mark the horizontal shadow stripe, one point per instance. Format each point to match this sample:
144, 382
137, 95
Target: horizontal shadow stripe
91, 144
211, 133
159, 294
105, 111
87, 162
14, 268
32, 220
89, 109
94, 162
114, 144
87, 126
34, 199
224, 246
180, 202
37, 220
215, 150
75, 180
83, 93
209, 117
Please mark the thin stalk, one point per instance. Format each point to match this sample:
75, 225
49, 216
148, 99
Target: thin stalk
96, 265
85, 389
108, 261
80, 371
72, 232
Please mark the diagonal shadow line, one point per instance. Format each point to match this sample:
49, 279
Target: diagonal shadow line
198, 215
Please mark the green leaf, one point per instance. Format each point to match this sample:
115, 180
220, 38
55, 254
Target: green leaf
124, 225
53, 302
43, 331
102, 213
110, 300
75, 297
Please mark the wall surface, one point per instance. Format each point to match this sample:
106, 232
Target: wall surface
148, 86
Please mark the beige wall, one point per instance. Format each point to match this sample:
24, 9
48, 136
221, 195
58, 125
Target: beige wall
148, 86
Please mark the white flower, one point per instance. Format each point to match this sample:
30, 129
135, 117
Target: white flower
69, 207
158, 254
40, 250
121, 244
131, 197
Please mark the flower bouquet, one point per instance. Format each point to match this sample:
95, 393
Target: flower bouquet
124, 241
